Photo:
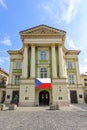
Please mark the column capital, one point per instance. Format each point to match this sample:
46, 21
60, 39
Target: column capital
32, 45
26, 46
11, 60
52, 45
75, 59
60, 45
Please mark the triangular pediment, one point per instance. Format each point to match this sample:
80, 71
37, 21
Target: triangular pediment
42, 29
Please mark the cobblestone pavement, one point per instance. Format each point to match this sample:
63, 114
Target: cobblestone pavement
64, 119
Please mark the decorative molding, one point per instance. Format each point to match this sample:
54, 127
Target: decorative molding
43, 29
43, 41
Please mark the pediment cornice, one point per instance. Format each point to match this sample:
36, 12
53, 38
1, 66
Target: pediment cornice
42, 30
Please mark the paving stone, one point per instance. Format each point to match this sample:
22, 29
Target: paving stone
75, 119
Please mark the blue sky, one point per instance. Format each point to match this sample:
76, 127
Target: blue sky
67, 15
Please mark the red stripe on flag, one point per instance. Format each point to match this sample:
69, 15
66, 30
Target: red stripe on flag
45, 85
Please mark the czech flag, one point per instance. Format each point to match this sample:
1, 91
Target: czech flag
43, 83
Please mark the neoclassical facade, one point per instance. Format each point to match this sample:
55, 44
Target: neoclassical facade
43, 56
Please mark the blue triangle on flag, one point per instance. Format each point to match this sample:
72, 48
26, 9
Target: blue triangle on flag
38, 83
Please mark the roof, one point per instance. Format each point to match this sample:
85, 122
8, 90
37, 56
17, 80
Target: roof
3, 71
15, 51
42, 25
84, 74
73, 52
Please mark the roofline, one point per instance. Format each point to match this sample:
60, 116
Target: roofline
42, 25
73, 52
15, 51
2, 70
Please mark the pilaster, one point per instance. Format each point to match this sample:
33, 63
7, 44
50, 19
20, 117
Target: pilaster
10, 74
54, 66
61, 62
25, 63
77, 70
32, 70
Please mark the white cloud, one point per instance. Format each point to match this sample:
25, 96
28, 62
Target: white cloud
70, 11
83, 69
3, 4
6, 41
70, 43
85, 60
60, 10
3, 60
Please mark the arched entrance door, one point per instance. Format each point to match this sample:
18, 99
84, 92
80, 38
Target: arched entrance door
44, 98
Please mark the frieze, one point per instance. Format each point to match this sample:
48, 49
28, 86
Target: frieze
36, 41
41, 37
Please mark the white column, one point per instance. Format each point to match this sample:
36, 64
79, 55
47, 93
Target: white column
25, 63
77, 71
54, 66
10, 74
61, 62
32, 70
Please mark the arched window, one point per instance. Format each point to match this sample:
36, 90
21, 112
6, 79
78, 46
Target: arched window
43, 72
43, 55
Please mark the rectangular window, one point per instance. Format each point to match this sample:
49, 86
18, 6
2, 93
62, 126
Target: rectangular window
17, 79
43, 72
43, 55
18, 65
69, 65
71, 79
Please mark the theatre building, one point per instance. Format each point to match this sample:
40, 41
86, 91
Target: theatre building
43, 71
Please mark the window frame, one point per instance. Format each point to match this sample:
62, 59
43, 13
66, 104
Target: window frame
18, 65
43, 72
17, 79
43, 55
69, 64
71, 79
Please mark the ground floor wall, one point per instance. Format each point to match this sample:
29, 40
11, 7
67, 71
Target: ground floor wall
27, 95
60, 93
27, 92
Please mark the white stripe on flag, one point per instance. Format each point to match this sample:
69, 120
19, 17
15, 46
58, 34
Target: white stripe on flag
44, 80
